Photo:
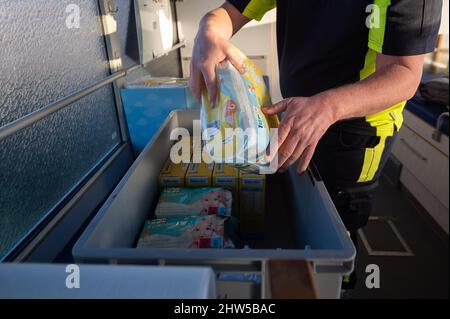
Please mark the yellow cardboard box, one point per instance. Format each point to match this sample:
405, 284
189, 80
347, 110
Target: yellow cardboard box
173, 175
227, 177
182, 144
199, 175
252, 202
196, 149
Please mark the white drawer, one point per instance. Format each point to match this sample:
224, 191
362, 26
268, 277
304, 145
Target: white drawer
425, 130
426, 163
433, 206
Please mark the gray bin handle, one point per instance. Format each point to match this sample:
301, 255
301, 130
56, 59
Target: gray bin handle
345, 268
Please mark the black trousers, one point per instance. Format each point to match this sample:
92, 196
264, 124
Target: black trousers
350, 165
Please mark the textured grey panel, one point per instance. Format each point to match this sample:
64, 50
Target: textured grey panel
41, 164
41, 59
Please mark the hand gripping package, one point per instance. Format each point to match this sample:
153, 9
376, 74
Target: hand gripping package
236, 125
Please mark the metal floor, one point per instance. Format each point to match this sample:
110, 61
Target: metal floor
424, 275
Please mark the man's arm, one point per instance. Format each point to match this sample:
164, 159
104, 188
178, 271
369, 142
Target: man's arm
409, 30
212, 46
396, 80
225, 20
307, 119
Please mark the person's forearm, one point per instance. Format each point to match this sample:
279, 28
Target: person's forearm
212, 47
218, 22
307, 119
224, 21
390, 85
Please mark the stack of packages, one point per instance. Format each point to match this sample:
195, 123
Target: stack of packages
189, 218
245, 133
201, 203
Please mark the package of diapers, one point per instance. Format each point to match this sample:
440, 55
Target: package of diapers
183, 232
176, 202
236, 130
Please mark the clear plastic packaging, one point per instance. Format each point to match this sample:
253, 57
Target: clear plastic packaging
176, 202
236, 130
183, 232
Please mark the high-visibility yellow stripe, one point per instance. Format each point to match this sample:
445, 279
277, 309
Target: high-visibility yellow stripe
372, 160
376, 34
257, 8
385, 122
370, 65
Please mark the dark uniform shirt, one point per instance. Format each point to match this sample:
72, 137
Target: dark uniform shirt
323, 44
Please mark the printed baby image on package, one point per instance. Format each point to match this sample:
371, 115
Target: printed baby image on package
240, 99
175, 202
227, 176
172, 175
183, 232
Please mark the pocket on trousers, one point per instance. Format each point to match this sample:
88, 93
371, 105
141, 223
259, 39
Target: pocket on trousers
357, 141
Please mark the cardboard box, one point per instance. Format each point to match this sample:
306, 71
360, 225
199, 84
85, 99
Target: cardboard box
252, 203
196, 149
173, 175
199, 175
227, 177
182, 144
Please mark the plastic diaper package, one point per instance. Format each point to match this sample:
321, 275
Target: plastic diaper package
184, 232
176, 202
238, 106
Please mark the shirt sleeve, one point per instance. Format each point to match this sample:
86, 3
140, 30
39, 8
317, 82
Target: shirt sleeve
254, 9
405, 27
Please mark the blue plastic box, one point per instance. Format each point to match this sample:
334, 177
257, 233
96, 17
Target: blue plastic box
148, 103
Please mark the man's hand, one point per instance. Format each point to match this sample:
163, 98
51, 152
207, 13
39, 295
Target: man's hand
306, 120
212, 47
210, 50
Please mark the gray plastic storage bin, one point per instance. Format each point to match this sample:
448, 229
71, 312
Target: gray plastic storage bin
301, 223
